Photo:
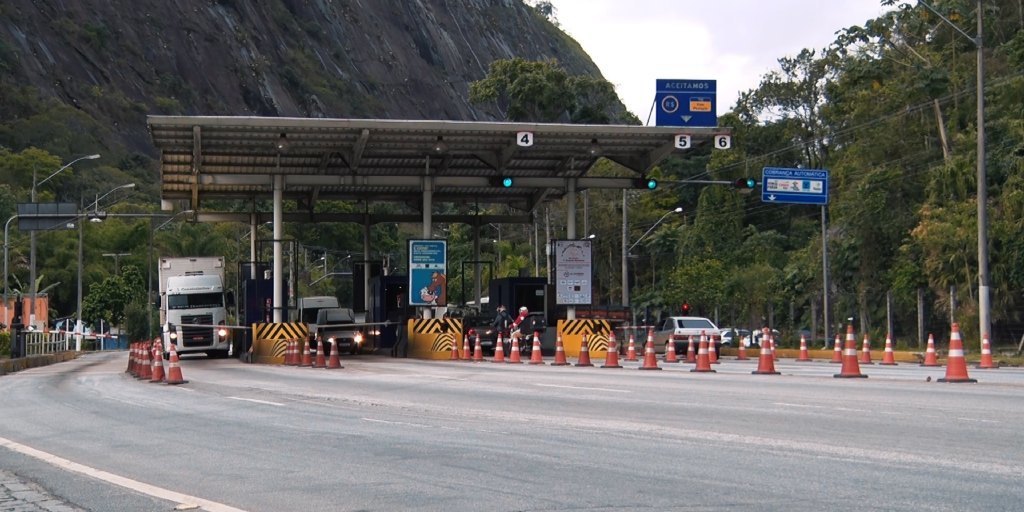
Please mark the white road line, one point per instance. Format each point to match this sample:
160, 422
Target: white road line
255, 401
402, 423
128, 483
581, 387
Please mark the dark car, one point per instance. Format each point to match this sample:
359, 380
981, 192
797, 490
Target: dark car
338, 325
480, 324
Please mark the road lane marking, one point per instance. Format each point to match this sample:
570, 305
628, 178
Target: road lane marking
128, 483
610, 390
255, 401
402, 423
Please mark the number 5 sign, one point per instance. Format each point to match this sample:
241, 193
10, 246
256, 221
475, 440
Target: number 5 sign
682, 142
723, 141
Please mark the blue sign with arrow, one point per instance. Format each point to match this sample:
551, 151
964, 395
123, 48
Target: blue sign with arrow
795, 186
688, 103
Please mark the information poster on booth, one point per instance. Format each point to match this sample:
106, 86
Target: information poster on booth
428, 272
573, 272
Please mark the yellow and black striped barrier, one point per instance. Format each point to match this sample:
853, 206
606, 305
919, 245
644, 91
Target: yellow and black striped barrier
269, 341
432, 338
572, 332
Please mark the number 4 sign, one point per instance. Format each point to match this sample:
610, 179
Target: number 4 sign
723, 141
524, 139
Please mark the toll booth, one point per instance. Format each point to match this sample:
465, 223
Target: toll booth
359, 269
387, 304
257, 301
515, 292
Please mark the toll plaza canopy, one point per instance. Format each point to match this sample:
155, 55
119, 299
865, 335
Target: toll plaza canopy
417, 163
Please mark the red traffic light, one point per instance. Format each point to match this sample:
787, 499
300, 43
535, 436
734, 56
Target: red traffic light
685, 308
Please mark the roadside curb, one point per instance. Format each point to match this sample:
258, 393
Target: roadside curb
24, 363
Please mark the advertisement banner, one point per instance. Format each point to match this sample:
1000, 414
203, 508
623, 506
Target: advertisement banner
428, 269
574, 272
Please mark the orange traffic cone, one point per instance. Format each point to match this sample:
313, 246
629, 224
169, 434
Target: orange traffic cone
131, 359
478, 350
157, 374
865, 352
559, 353
307, 355
334, 362
514, 357
703, 358
650, 359
631, 350
499, 350
712, 351
611, 359
174, 368
837, 352
888, 357
466, 354
536, 356
670, 350
321, 361
741, 351
584, 359
986, 355
455, 351
930, 357
691, 351
956, 364
805, 356
766, 362
146, 366
850, 367
289, 355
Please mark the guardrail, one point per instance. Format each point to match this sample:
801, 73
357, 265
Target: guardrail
39, 343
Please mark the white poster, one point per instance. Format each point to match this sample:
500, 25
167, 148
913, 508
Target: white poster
574, 272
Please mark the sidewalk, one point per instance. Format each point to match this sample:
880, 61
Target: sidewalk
17, 495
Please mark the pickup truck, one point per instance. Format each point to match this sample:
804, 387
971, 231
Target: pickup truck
680, 328
339, 325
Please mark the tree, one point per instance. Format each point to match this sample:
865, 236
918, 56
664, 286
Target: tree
111, 298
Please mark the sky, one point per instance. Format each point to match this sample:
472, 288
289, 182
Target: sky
735, 42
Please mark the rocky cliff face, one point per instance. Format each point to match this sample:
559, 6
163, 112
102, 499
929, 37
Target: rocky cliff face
118, 60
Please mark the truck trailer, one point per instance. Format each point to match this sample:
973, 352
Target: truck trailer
193, 305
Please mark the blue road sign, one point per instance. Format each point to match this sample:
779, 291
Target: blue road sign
685, 103
428, 280
797, 186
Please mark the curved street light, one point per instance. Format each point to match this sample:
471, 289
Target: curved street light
626, 251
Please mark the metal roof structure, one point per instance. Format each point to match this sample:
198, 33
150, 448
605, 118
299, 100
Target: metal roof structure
238, 158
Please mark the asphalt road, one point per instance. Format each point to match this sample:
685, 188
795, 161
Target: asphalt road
385, 434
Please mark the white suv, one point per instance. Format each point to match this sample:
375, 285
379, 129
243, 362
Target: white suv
680, 328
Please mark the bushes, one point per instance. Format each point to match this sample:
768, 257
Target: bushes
5, 343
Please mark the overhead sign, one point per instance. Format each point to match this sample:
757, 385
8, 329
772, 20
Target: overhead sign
45, 216
428, 272
797, 186
685, 103
574, 272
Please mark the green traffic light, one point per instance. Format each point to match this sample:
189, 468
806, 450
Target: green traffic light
652, 184
506, 182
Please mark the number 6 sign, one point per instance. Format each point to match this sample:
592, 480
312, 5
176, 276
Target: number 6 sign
723, 141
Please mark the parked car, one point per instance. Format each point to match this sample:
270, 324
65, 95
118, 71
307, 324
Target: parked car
680, 328
480, 324
731, 337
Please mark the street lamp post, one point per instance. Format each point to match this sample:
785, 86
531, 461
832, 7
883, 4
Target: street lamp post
117, 260
626, 250
984, 306
32, 237
81, 235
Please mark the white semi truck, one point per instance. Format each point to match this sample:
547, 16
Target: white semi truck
193, 305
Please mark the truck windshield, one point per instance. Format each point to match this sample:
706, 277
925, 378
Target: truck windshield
195, 300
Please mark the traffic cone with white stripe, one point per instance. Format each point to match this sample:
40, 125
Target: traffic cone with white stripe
805, 356
289, 352
956, 363
466, 354
499, 350
837, 350
986, 355
146, 366
536, 355
131, 359
650, 359
712, 349
455, 351
334, 362
931, 358
703, 357
888, 357
611, 358
850, 367
631, 350
157, 374
670, 350
478, 350
865, 352
766, 362
691, 350
321, 361
307, 354
174, 376
559, 352
514, 357
584, 359
741, 351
